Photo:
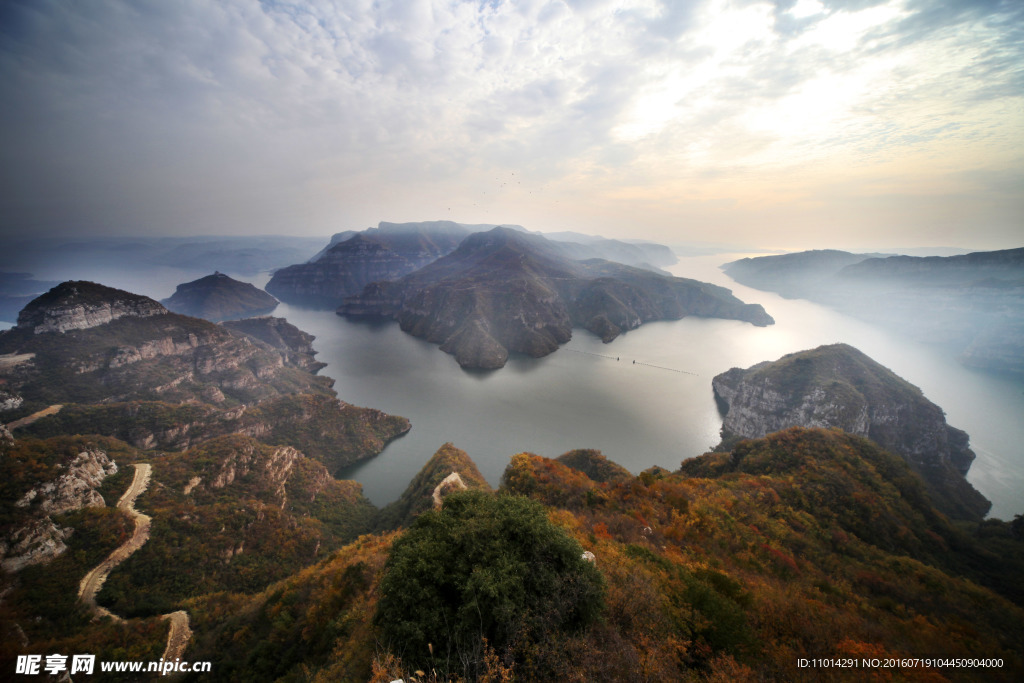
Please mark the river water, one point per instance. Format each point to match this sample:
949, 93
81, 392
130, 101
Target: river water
658, 410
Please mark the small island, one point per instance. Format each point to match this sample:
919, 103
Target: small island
218, 298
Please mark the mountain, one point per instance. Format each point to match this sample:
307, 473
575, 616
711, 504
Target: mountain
731, 569
971, 304
283, 336
255, 514
838, 386
506, 291
247, 255
791, 275
93, 343
449, 469
386, 252
93, 359
218, 297
353, 259
579, 247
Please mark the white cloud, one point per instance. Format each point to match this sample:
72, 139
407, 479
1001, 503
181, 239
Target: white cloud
202, 113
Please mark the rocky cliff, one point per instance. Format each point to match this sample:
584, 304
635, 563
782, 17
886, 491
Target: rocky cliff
67, 479
81, 306
838, 386
384, 253
506, 291
296, 344
218, 297
128, 347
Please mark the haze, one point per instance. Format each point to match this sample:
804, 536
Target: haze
845, 123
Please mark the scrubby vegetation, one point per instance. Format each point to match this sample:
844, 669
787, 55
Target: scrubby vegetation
484, 570
731, 570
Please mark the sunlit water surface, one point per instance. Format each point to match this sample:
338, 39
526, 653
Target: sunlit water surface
656, 411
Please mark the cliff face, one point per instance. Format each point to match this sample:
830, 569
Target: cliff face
505, 291
83, 305
296, 344
838, 386
384, 253
139, 350
33, 537
218, 297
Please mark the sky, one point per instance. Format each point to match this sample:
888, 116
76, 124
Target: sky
782, 124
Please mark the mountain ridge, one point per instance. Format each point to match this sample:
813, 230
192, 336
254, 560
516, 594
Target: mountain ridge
505, 291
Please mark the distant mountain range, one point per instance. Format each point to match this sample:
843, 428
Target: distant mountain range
353, 260
972, 304
507, 291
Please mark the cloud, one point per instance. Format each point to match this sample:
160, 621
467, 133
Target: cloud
237, 115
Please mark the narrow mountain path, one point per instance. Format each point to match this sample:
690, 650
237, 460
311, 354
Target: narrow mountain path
52, 410
179, 635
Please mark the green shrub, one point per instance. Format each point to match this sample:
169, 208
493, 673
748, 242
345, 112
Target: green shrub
484, 566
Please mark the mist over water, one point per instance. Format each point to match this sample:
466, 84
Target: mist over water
657, 411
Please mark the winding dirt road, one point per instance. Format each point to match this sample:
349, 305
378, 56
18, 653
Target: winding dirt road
179, 635
52, 410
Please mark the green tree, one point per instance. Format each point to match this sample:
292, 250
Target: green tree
483, 566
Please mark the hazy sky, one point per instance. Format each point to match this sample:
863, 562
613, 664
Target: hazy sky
813, 123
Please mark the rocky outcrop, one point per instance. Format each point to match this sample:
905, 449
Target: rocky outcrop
83, 305
273, 467
839, 387
296, 345
218, 297
506, 291
448, 470
159, 355
76, 488
36, 538
38, 541
9, 401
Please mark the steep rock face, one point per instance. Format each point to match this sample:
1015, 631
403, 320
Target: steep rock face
283, 336
83, 305
34, 537
76, 488
838, 386
384, 253
153, 355
38, 541
218, 297
505, 291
